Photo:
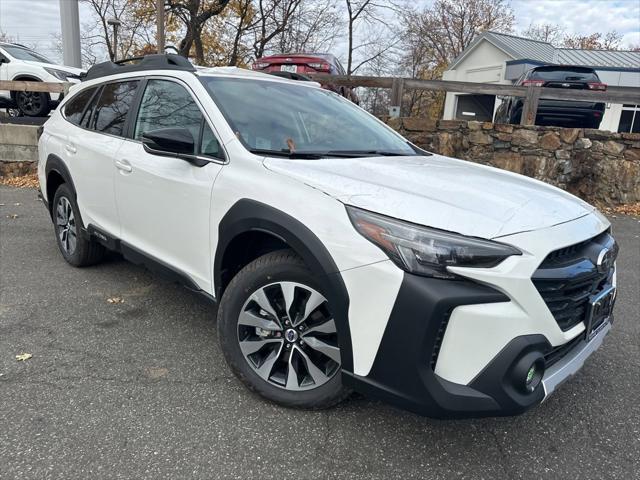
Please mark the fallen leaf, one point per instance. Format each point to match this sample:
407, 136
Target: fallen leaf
23, 356
115, 300
22, 181
632, 209
17, 204
12, 216
155, 372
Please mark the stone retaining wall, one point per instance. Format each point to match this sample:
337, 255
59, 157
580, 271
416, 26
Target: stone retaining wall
18, 149
599, 166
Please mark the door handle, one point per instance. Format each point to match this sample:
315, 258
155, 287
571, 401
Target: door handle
124, 165
69, 147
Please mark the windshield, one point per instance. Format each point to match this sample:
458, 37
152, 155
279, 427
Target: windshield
21, 53
275, 117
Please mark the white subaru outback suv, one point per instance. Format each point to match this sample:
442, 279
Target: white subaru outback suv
342, 257
17, 62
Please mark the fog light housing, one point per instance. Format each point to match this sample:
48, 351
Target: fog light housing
534, 376
528, 371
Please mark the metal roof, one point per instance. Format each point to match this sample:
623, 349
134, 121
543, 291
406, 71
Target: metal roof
520, 48
598, 58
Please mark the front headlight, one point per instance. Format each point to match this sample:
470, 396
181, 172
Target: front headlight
427, 251
59, 74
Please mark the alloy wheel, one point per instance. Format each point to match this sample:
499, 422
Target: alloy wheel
66, 225
288, 336
29, 103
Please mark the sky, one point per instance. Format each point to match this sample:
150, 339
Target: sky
35, 22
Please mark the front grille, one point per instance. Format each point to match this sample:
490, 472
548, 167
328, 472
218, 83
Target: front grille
563, 255
568, 299
557, 353
569, 276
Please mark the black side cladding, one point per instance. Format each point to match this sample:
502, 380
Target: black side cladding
249, 215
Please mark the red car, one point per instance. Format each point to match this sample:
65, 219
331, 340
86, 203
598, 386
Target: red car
295, 65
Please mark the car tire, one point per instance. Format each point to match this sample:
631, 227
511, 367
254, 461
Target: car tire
33, 104
274, 370
75, 246
594, 124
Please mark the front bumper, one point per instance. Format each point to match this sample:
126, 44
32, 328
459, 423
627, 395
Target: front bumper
571, 363
458, 348
404, 373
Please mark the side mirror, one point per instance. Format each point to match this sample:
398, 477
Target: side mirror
172, 142
3, 60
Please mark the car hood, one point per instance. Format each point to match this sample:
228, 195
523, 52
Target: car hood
439, 192
64, 68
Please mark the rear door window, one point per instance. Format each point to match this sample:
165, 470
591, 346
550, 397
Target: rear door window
75, 108
113, 106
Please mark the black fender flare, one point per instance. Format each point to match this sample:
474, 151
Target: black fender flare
249, 215
56, 164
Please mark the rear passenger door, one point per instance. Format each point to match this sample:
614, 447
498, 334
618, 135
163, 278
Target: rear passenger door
92, 148
164, 202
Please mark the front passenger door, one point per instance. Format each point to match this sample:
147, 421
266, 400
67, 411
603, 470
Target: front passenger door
164, 201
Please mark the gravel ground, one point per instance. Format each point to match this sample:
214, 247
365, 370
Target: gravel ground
140, 389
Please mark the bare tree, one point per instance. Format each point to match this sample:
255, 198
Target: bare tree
314, 28
273, 18
595, 41
557, 36
545, 32
357, 10
447, 27
194, 14
245, 20
91, 46
368, 21
97, 33
251, 29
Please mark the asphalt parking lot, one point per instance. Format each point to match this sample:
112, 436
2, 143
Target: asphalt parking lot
140, 389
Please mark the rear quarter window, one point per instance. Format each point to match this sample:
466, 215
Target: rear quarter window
76, 106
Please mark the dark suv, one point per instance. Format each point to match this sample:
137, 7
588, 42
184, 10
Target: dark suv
562, 113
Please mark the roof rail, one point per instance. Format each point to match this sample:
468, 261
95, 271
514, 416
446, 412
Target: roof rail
168, 61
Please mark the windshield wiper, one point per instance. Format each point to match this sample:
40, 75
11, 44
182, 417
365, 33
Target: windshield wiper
368, 153
288, 153
314, 155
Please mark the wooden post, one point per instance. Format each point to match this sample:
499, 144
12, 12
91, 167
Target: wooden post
160, 25
397, 88
530, 107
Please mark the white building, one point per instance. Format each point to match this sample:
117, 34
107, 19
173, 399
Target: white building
499, 58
